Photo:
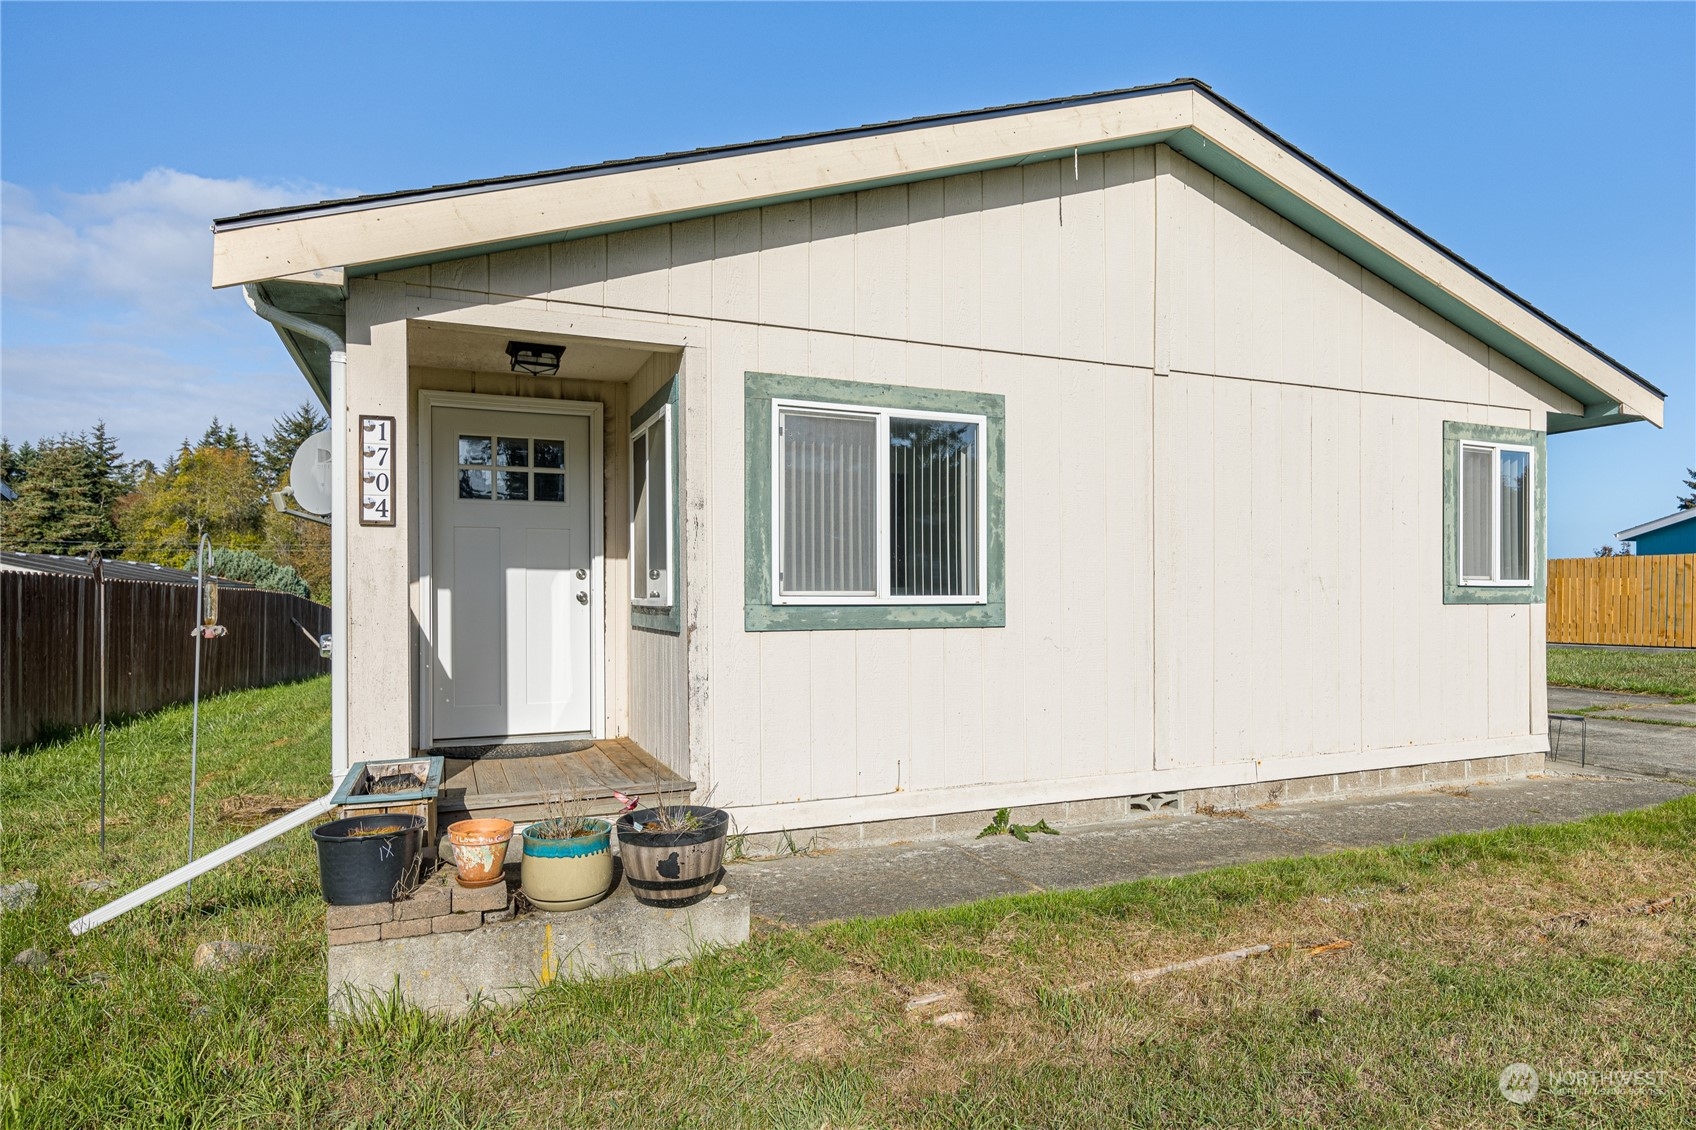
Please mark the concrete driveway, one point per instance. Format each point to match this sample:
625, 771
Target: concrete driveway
1631, 733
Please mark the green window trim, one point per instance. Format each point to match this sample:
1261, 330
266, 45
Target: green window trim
1456, 434
667, 619
760, 615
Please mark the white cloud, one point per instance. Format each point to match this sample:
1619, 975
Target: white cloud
150, 398
109, 313
145, 244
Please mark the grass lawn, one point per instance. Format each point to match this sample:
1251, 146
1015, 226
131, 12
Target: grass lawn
1470, 953
1637, 672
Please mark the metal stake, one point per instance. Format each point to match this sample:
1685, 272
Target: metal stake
100, 621
204, 552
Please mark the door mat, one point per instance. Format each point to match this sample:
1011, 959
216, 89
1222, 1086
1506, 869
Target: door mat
509, 751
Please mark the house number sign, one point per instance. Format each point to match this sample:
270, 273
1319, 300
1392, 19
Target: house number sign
376, 471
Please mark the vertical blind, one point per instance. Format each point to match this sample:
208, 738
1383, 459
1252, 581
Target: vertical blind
640, 503
933, 508
1475, 513
1516, 512
829, 504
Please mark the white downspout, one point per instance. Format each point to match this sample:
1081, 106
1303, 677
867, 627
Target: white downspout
338, 518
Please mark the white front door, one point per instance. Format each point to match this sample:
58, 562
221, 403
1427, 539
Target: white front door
511, 564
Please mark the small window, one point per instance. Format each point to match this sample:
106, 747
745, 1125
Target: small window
481, 480
877, 506
650, 511
1496, 532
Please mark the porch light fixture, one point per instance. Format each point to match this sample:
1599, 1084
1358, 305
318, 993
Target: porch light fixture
533, 358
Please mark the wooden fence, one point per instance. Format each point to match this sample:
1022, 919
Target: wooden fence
49, 659
1646, 601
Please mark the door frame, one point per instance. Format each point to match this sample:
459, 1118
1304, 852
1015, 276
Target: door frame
428, 401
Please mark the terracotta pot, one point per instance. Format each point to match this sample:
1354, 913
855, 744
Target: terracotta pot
567, 874
479, 850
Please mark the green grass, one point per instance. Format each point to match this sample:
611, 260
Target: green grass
1637, 672
1471, 952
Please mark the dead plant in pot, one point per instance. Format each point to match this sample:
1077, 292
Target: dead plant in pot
567, 862
673, 853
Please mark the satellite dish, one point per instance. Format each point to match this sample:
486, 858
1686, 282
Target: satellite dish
309, 474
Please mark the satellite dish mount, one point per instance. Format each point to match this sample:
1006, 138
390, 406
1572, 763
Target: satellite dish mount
309, 481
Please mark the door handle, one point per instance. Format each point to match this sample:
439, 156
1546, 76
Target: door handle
582, 598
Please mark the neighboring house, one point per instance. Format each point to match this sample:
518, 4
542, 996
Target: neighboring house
1057, 452
1676, 533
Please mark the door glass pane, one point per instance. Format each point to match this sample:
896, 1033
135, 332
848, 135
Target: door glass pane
1475, 500
549, 487
512, 486
639, 503
550, 453
933, 508
828, 504
1516, 512
512, 452
474, 450
659, 487
474, 484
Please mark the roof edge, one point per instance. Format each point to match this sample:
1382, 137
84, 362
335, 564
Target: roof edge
1672, 519
688, 156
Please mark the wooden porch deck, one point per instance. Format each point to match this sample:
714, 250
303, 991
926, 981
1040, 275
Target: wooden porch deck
518, 788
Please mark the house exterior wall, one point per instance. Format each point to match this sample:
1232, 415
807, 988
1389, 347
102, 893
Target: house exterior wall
1677, 538
1223, 493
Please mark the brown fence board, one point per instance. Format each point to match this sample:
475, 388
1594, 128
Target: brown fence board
1639, 601
49, 648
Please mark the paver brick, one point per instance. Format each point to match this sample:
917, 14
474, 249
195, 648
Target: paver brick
410, 928
492, 897
426, 902
368, 914
453, 923
367, 933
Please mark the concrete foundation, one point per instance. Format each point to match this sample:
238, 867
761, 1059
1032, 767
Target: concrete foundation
1371, 782
452, 972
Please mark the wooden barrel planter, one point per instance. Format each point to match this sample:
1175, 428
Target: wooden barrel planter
674, 868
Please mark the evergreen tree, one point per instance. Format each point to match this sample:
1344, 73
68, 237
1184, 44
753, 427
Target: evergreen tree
246, 565
285, 439
1688, 501
113, 478
15, 462
63, 504
223, 437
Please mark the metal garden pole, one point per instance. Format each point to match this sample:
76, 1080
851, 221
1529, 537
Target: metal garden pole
100, 621
204, 551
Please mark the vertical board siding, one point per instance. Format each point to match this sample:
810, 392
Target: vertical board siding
658, 690
1635, 601
50, 656
1223, 490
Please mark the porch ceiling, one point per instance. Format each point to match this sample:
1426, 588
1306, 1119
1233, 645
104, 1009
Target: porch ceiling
482, 350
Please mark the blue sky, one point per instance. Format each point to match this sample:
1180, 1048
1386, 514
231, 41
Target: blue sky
1554, 146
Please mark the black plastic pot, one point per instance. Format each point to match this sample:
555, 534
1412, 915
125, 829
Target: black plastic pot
353, 870
673, 869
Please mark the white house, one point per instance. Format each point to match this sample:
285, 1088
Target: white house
1050, 453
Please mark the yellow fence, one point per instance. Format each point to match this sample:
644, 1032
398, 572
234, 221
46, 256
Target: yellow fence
1645, 601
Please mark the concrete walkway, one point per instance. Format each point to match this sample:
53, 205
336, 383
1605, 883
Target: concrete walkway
863, 882
1632, 733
